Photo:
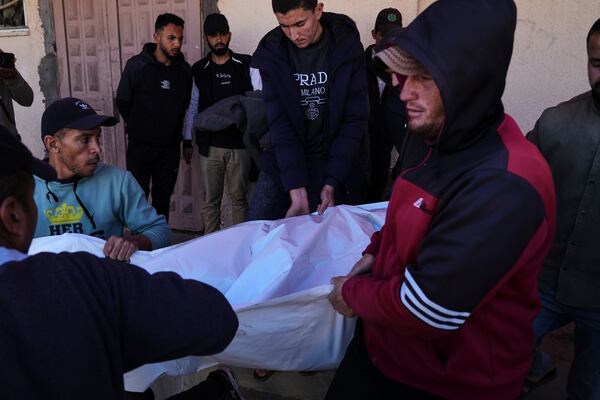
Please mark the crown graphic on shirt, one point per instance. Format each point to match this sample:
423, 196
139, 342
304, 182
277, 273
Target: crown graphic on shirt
64, 215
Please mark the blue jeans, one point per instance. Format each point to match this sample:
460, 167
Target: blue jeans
584, 375
269, 200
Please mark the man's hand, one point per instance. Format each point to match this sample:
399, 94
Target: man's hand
327, 199
8, 73
299, 204
187, 152
120, 248
337, 300
362, 266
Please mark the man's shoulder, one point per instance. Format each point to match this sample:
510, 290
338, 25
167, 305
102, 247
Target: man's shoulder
107, 173
63, 261
111, 170
201, 63
342, 26
566, 108
137, 62
241, 58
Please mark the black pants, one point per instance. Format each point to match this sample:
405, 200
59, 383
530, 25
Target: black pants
358, 379
159, 164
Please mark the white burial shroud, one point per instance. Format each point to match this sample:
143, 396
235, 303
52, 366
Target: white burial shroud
275, 274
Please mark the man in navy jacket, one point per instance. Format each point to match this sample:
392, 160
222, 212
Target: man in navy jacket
72, 324
315, 89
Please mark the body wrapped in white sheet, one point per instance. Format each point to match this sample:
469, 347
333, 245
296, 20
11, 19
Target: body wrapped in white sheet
276, 276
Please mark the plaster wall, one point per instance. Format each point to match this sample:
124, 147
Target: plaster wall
29, 51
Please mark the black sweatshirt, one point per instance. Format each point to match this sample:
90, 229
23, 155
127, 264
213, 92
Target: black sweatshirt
153, 97
72, 324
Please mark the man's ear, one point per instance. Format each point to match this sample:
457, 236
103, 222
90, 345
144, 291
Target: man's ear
13, 217
156, 37
319, 10
51, 143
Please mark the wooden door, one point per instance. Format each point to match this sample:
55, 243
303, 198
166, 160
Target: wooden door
81, 30
94, 39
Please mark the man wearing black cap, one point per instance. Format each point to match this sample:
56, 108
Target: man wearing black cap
447, 290
152, 97
72, 324
387, 117
221, 74
89, 197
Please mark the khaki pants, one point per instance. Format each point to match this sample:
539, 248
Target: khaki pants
224, 166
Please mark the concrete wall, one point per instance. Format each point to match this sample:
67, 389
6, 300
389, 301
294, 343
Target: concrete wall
29, 51
549, 61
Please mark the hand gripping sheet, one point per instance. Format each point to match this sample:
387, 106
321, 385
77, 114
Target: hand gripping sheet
276, 276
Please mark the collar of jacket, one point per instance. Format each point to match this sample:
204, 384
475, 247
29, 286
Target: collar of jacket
206, 61
148, 53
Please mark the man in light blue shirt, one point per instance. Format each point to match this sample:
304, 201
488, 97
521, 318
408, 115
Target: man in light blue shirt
89, 197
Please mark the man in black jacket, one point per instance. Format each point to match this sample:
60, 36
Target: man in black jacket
219, 75
568, 135
387, 116
152, 97
74, 323
315, 90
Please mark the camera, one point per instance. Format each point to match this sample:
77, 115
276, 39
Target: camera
7, 60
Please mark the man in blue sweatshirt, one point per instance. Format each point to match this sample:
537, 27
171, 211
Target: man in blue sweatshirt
89, 197
72, 324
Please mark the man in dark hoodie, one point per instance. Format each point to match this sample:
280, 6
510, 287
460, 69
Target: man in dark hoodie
153, 95
72, 324
315, 89
568, 136
447, 291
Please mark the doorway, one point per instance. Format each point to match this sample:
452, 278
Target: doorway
94, 40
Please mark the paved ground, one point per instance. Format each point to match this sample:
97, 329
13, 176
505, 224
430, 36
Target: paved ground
294, 386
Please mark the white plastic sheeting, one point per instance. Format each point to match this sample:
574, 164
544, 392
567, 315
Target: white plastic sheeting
276, 276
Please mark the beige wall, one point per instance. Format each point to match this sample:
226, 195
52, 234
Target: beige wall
549, 61
29, 50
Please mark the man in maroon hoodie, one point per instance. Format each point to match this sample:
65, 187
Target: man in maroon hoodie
447, 291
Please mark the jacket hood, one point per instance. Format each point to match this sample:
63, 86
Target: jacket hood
466, 45
148, 53
273, 44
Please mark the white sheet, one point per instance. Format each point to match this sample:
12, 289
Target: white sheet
276, 276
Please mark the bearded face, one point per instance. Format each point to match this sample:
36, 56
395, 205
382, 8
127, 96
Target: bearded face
219, 43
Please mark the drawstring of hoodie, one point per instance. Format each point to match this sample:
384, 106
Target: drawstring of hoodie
85, 210
434, 147
87, 213
50, 193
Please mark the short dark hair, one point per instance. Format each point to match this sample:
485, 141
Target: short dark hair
593, 30
165, 19
284, 6
16, 185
